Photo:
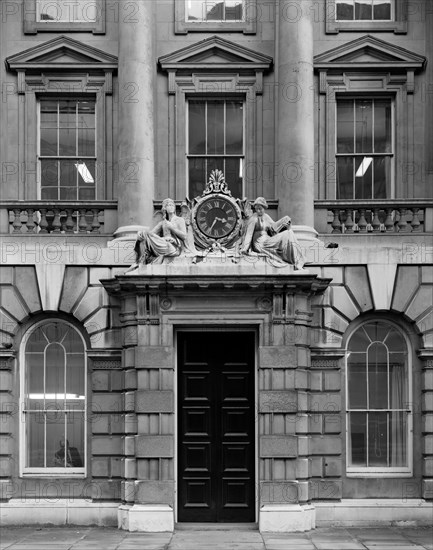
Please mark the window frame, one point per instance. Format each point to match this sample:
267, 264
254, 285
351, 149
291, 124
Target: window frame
224, 99
374, 471
398, 25
248, 26
392, 155
33, 26
26, 471
59, 98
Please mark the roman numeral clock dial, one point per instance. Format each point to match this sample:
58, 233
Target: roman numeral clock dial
216, 217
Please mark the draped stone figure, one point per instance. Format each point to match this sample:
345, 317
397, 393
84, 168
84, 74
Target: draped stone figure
275, 240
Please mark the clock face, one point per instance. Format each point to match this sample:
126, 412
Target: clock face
216, 217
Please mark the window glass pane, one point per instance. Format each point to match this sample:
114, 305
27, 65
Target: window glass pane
378, 331
49, 173
195, 10
358, 438
85, 11
345, 127
214, 163
233, 175
68, 173
363, 177
382, 10
86, 114
37, 341
357, 381
214, 11
49, 193
363, 126
75, 439
86, 173
86, 193
398, 386
48, 114
35, 381
377, 439
68, 193
55, 377
67, 10
86, 142
378, 376
197, 176
363, 9
197, 127
56, 440
395, 341
233, 10
398, 438
234, 128
67, 142
382, 178
72, 342
359, 341
345, 10
344, 178
35, 440
67, 114
49, 142
75, 375
382, 126
215, 127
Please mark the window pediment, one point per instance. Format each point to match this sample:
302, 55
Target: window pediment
215, 52
369, 52
62, 52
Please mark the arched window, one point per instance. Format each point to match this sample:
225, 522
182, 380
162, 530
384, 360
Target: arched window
378, 401
53, 400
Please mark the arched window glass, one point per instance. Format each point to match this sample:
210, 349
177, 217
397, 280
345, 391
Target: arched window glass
54, 400
378, 400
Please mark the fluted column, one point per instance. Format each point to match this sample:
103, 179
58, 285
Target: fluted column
137, 68
295, 152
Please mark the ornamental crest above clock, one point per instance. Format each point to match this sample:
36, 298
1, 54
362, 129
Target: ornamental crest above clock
216, 216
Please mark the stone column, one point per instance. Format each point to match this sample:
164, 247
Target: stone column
295, 85
137, 69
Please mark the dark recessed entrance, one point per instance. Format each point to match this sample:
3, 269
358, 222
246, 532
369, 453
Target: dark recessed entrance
216, 427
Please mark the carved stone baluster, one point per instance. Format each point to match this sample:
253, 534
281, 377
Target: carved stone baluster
416, 224
31, 226
17, 220
349, 223
402, 224
375, 222
362, 222
43, 224
336, 224
57, 224
69, 224
389, 222
82, 224
95, 222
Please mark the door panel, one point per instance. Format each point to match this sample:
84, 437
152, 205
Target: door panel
216, 427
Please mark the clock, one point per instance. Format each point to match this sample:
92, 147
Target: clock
217, 216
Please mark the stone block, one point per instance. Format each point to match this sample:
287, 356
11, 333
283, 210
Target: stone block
317, 468
326, 489
154, 446
427, 489
74, 286
315, 423
427, 274
130, 424
130, 401
153, 401
154, 357
6, 274
278, 401
27, 285
278, 492
316, 381
333, 320
407, 282
106, 490
301, 379
332, 380
421, 302
303, 445
301, 423
324, 445
332, 423
343, 303
92, 300
427, 423
333, 466
277, 357
131, 379
11, 303
116, 467
357, 280
6, 466
129, 358
154, 492
303, 357
334, 273
100, 380
7, 445
278, 446
97, 273
128, 491
100, 423
303, 491
427, 401
108, 402
6, 402
117, 424
130, 468
325, 402
303, 401
7, 422
100, 467
303, 468
108, 445
428, 444
117, 380
129, 445
428, 466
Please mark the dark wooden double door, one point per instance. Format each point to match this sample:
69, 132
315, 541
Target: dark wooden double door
216, 427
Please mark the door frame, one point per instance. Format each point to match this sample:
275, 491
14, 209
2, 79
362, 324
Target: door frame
254, 328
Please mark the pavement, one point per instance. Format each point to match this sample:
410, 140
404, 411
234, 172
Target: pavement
108, 538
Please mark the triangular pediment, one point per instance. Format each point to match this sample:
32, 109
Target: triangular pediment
215, 52
62, 52
367, 52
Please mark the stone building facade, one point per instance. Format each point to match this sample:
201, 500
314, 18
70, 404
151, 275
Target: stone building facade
217, 391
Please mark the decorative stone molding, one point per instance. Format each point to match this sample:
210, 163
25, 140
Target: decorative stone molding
105, 359
106, 365
326, 358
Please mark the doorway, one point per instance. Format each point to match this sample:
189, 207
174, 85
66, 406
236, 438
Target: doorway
216, 426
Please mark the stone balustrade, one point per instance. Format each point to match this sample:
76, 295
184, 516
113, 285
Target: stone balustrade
68, 217
371, 216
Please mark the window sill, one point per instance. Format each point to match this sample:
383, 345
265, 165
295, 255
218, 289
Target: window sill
382, 474
74, 473
184, 27
33, 27
397, 27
